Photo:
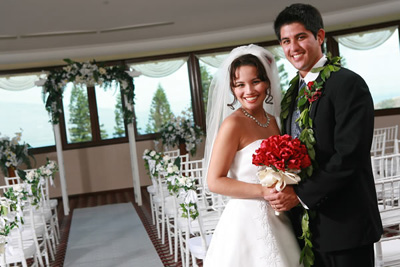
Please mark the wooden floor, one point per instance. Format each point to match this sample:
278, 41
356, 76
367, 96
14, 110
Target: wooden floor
104, 198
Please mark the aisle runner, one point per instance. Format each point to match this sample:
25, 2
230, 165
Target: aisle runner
110, 235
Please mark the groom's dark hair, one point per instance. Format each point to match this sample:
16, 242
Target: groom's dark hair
305, 14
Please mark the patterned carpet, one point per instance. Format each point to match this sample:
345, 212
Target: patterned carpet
111, 197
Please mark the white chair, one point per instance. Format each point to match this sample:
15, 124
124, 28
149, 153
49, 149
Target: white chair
22, 243
387, 250
172, 210
391, 133
378, 147
198, 230
41, 221
163, 198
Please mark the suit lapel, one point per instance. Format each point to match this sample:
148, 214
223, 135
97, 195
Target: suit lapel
314, 106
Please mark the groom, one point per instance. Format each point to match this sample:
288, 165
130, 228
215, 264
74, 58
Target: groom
341, 190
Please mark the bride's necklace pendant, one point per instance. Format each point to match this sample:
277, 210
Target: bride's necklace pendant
265, 125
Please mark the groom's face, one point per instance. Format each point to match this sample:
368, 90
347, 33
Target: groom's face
301, 48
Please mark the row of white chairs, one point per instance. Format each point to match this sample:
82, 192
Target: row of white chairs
38, 232
386, 171
188, 238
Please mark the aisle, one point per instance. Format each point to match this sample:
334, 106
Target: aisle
109, 235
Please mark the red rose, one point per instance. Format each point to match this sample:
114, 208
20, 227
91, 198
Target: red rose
282, 152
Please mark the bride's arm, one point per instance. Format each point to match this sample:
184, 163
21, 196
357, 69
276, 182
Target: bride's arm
225, 147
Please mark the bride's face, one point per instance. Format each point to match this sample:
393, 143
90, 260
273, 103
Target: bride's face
249, 90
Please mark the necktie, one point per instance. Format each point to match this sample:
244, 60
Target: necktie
295, 128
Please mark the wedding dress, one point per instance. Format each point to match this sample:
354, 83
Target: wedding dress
248, 232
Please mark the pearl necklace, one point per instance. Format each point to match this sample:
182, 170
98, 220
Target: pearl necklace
265, 125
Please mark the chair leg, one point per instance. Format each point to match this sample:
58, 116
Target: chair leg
152, 210
158, 223
162, 227
176, 242
56, 224
378, 254
169, 232
182, 247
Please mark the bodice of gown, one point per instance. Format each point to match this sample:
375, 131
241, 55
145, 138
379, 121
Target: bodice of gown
242, 168
249, 233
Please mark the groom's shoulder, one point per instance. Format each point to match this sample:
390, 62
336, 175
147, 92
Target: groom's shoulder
344, 74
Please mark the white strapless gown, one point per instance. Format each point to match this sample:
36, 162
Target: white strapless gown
249, 234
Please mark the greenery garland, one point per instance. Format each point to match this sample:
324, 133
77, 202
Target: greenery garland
87, 73
306, 97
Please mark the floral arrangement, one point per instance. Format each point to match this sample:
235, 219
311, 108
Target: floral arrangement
12, 201
180, 186
181, 130
313, 91
34, 180
86, 73
187, 191
151, 158
13, 153
284, 160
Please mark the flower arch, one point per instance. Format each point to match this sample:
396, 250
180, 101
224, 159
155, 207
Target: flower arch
90, 73
87, 73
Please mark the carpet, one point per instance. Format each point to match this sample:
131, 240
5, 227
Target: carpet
109, 235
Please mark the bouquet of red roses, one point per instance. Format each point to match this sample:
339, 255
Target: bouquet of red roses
282, 158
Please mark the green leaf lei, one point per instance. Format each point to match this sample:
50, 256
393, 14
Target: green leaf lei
307, 95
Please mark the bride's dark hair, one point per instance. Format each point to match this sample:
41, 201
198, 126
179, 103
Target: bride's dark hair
249, 60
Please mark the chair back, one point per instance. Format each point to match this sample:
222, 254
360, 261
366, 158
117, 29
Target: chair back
378, 147
391, 134
172, 153
385, 167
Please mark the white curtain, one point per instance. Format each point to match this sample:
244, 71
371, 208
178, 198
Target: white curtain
366, 40
276, 50
159, 68
214, 60
18, 83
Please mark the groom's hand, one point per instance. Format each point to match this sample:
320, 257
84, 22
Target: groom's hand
284, 200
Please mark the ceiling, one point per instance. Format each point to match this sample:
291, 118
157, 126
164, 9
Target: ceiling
43, 32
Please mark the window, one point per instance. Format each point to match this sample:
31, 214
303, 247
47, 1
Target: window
374, 55
109, 110
162, 90
22, 109
76, 113
92, 114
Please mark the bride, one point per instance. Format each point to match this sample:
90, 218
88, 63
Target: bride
248, 233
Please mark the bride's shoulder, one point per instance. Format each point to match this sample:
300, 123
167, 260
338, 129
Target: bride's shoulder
234, 121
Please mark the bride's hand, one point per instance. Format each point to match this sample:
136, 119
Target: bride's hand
283, 200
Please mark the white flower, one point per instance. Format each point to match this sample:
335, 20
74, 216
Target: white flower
102, 71
152, 153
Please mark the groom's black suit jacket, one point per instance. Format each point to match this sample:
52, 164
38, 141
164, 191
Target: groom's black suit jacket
341, 190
